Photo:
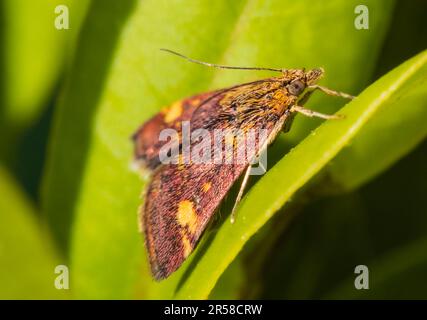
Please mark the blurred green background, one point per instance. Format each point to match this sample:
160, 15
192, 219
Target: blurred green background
70, 99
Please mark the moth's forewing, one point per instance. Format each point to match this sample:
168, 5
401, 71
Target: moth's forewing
181, 198
146, 139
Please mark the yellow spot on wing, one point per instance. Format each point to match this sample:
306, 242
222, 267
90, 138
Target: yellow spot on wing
207, 186
174, 111
186, 244
187, 216
194, 102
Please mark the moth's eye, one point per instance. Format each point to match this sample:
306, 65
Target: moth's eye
296, 87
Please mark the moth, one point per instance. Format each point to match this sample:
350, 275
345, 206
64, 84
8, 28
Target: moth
182, 196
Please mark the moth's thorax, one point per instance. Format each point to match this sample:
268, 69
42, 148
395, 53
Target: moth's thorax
270, 94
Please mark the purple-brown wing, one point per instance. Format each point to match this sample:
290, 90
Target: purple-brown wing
179, 203
146, 139
181, 198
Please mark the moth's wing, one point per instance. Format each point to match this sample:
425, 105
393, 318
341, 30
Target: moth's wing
182, 198
146, 138
180, 201
196, 109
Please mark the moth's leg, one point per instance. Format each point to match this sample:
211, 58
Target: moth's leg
240, 194
331, 92
311, 113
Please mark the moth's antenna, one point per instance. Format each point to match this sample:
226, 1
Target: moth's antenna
218, 65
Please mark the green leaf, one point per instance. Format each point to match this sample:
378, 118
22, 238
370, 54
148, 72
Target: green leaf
337, 233
317, 257
27, 257
229, 285
400, 128
27, 80
88, 185
395, 275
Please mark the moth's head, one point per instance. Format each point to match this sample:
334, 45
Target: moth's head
296, 80
313, 75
